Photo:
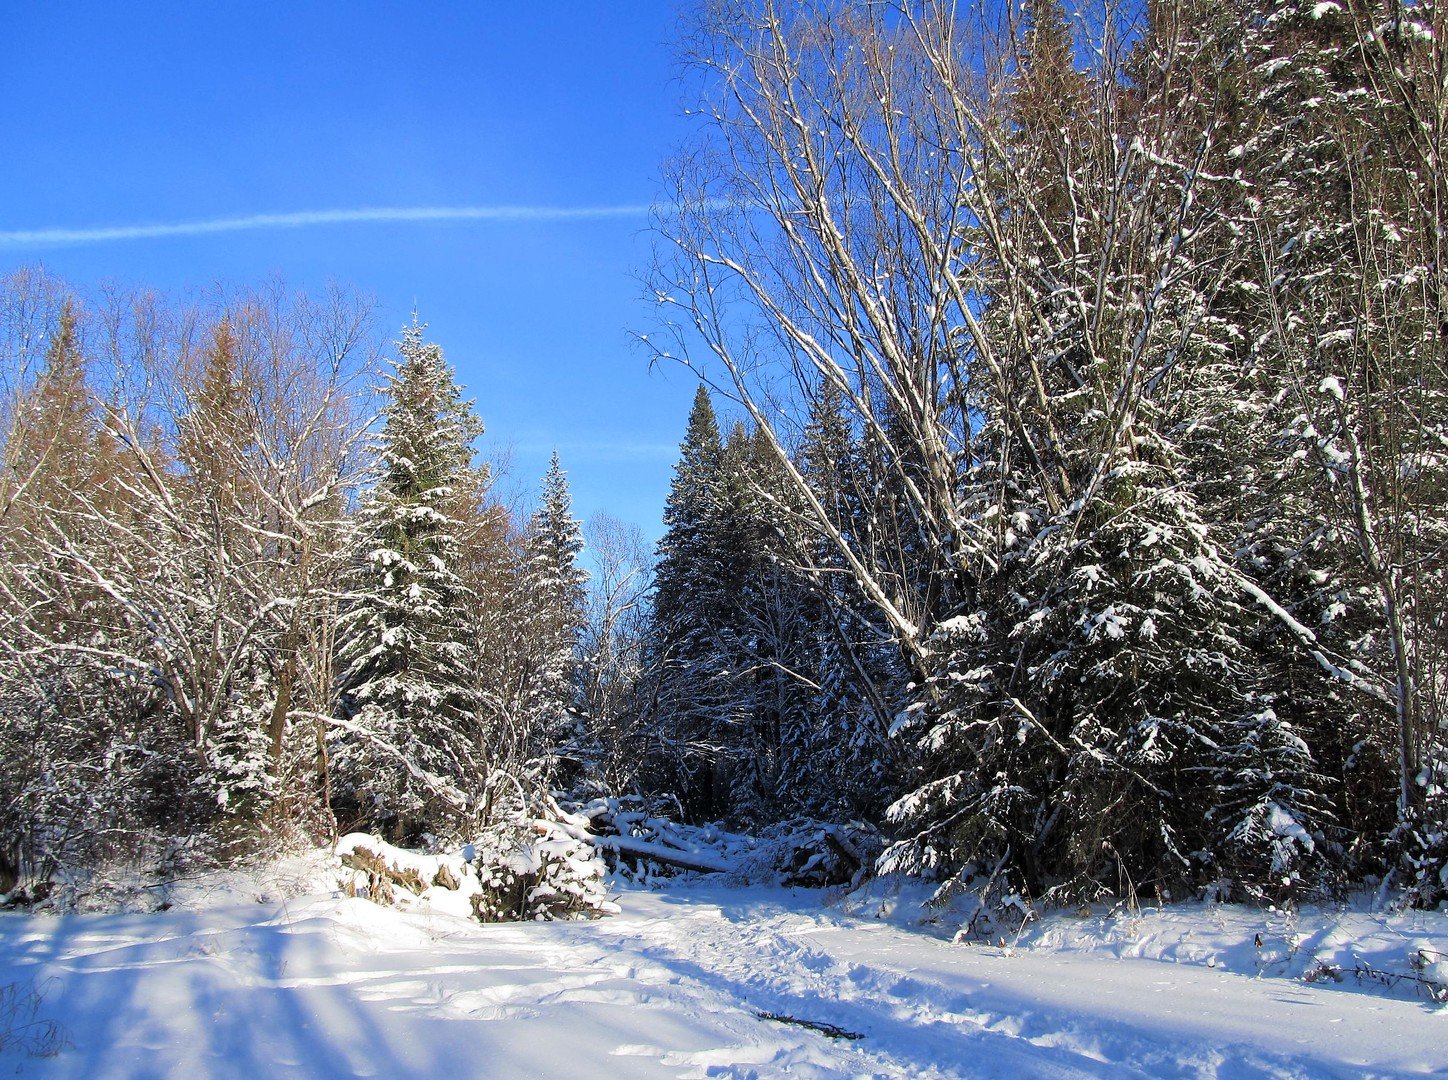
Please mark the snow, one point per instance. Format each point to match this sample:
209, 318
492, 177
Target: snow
684, 982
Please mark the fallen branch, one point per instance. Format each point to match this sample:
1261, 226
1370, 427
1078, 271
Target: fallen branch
830, 1030
1434, 990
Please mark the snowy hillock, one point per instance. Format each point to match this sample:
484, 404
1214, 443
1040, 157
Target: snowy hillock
1349, 946
183, 874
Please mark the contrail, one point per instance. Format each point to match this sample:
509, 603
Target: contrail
108, 234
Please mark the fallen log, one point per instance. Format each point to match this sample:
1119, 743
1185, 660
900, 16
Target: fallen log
833, 1031
837, 839
644, 849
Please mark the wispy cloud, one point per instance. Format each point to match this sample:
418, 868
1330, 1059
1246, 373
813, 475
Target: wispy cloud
596, 449
16, 238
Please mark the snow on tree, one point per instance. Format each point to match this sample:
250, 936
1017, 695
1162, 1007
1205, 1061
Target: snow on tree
838, 760
1108, 660
686, 693
409, 742
554, 589
1347, 289
1011, 272
79, 761
724, 640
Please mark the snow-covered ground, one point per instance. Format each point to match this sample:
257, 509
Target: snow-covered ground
698, 980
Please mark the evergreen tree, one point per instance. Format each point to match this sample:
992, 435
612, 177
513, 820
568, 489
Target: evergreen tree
554, 587
1050, 110
1352, 390
220, 510
58, 453
82, 756
687, 520
1107, 659
762, 633
837, 761
685, 695
411, 756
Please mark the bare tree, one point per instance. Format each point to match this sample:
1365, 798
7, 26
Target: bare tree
611, 650
201, 563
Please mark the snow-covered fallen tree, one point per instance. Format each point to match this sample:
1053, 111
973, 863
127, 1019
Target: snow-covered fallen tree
641, 845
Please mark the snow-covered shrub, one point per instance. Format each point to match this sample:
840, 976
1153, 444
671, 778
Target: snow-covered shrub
91, 775
643, 845
817, 854
1427, 844
548, 875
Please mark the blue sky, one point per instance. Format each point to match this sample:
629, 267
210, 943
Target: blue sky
122, 115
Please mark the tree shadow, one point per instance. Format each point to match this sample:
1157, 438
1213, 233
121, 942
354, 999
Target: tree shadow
211, 994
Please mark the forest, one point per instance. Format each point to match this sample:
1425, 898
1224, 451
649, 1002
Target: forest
1063, 503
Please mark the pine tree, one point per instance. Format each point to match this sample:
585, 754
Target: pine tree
57, 449
728, 625
411, 749
763, 629
554, 588
835, 759
1107, 659
1050, 110
687, 519
685, 695
81, 752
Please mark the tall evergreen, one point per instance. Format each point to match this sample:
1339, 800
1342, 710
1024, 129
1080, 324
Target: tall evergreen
1352, 390
682, 696
411, 756
554, 587
762, 633
837, 761
688, 514
1106, 660
703, 691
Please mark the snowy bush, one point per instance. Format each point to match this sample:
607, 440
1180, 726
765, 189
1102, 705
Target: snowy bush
548, 876
818, 854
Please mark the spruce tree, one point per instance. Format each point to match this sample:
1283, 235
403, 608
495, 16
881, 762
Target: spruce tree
1352, 392
1104, 659
761, 631
687, 520
687, 691
554, 588
836, 759
410, 751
